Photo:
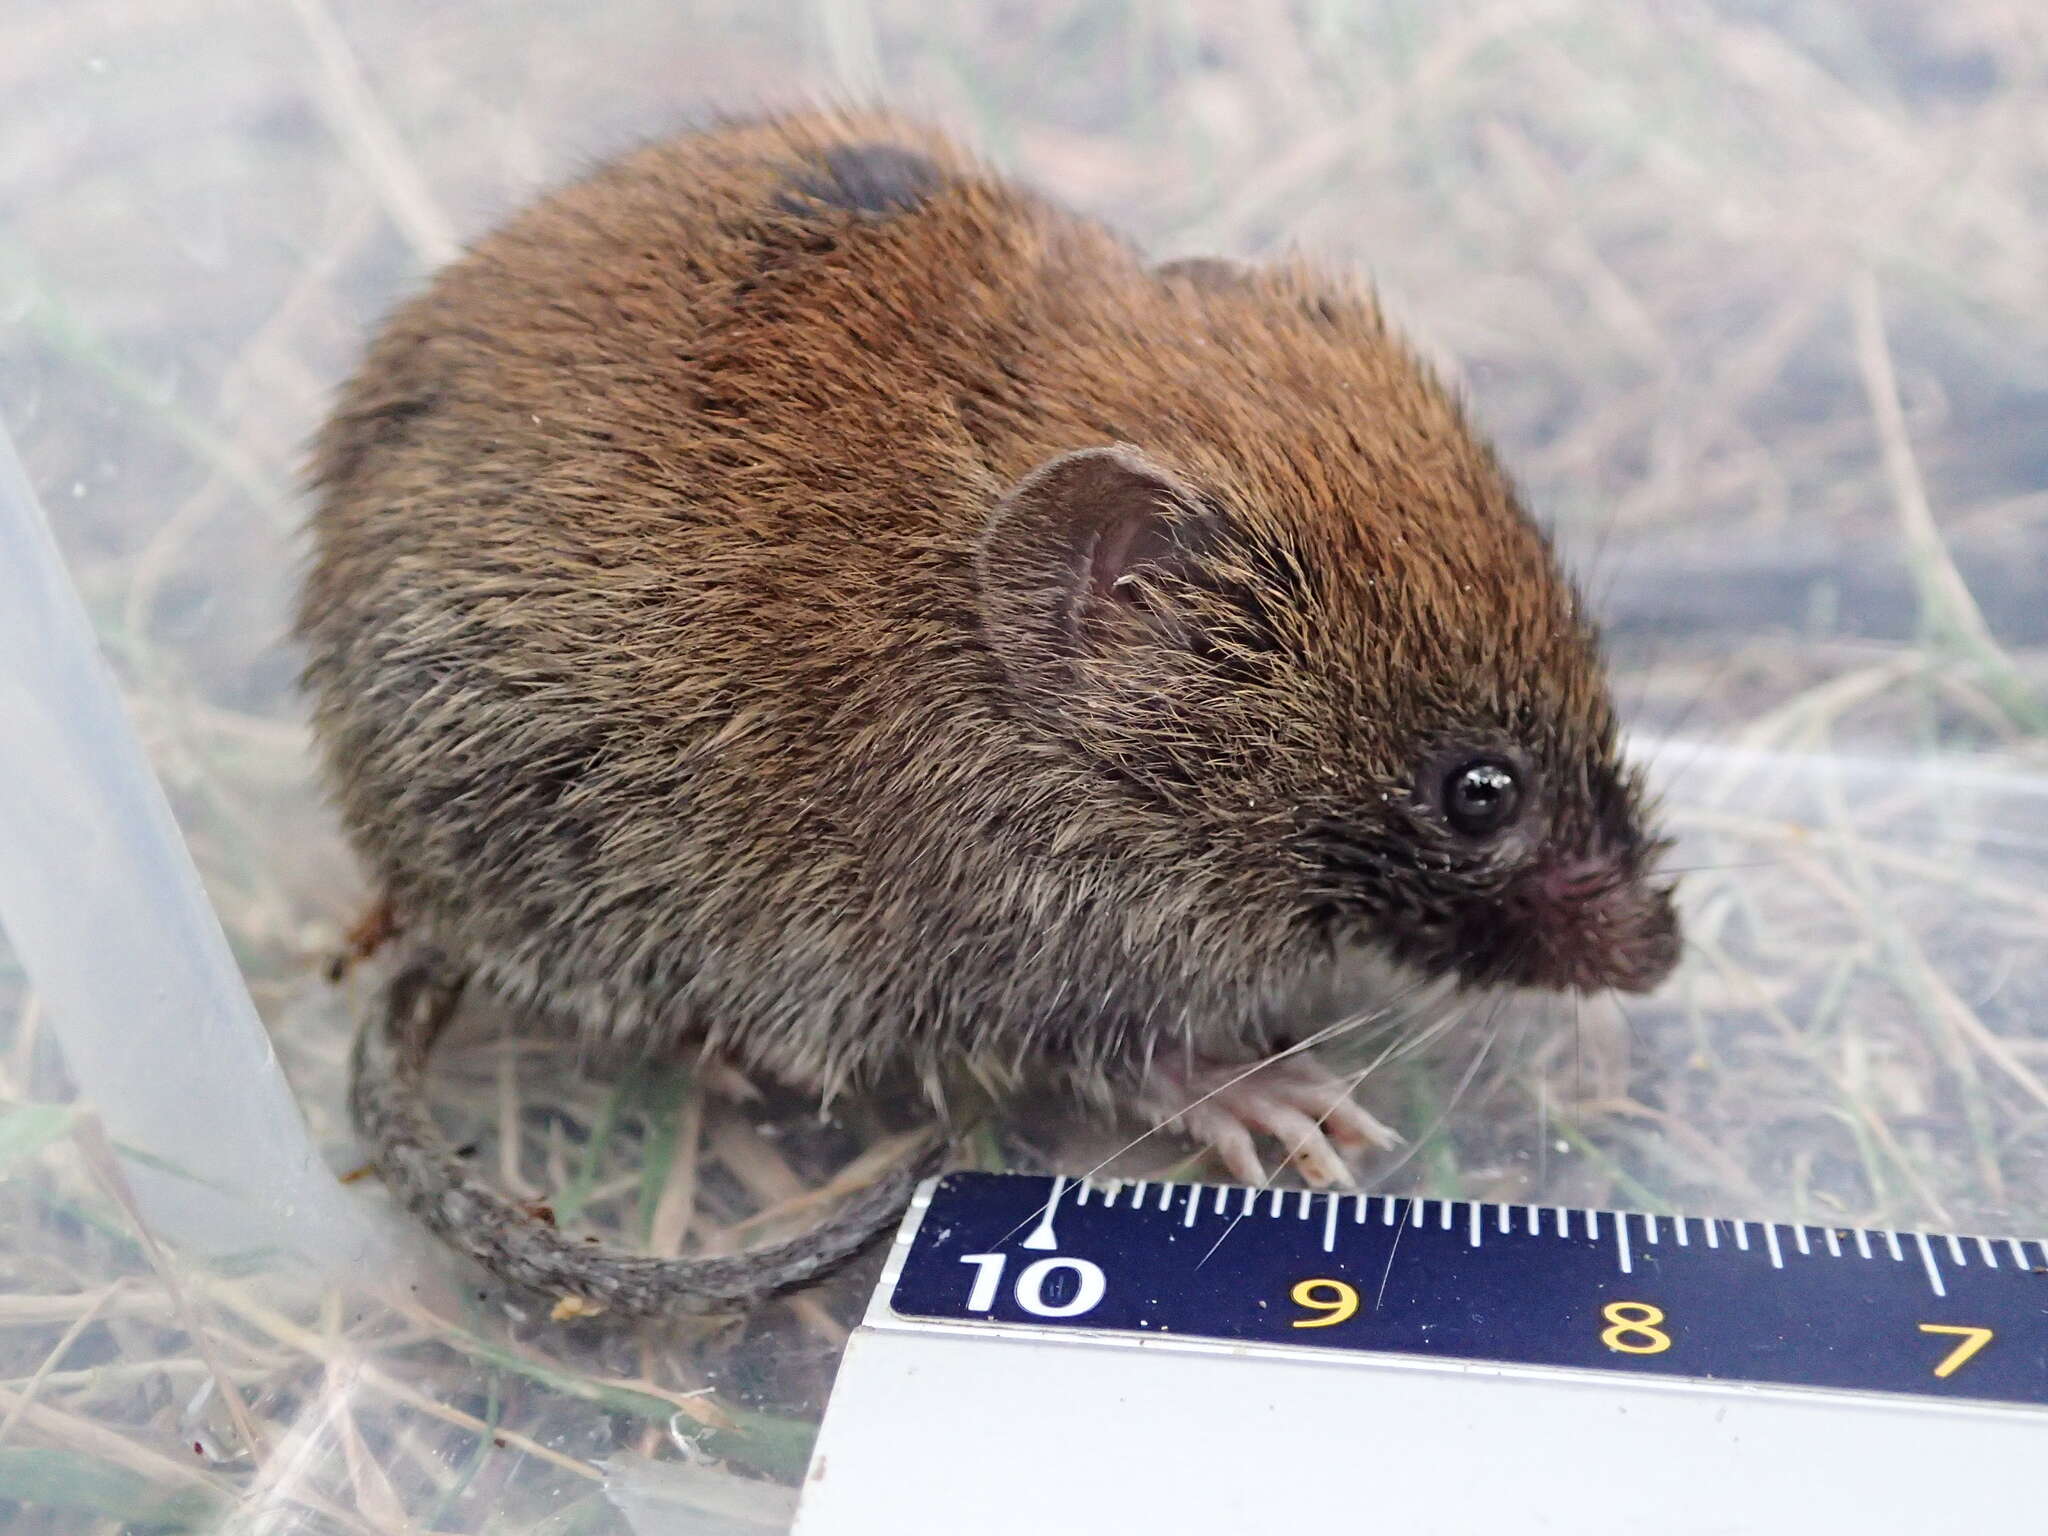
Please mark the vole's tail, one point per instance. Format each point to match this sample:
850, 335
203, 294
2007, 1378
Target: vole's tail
422, 1170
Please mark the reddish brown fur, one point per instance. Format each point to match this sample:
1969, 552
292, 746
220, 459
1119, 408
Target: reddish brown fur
658, 685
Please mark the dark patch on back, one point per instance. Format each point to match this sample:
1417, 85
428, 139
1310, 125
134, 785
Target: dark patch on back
872, 180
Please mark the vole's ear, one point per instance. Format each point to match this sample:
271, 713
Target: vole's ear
1324, 299
1080, 556
1213, 272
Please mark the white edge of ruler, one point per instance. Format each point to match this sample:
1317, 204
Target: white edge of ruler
1006, 1429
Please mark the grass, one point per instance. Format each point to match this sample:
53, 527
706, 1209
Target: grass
1731, 284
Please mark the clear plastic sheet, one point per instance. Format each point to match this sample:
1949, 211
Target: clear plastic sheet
1753, 298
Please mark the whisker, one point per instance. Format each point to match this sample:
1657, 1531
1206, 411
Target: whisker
1634, 1034
1405, 1046
1675, 732
1579, 1044
1702, 869
1348, 1087
1387, 1273
1492, 1028
1358, 1020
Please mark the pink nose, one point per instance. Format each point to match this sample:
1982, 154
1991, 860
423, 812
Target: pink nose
1576, 880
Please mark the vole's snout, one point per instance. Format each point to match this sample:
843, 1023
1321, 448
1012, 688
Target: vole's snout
1593, 923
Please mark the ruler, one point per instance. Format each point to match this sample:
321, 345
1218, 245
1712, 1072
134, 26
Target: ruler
1051, 1356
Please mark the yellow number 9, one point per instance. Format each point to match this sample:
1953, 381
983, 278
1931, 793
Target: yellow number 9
1331, 1296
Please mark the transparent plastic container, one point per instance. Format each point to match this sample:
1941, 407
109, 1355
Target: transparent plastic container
1772, 363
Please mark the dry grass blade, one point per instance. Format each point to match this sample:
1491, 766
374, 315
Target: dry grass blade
99, 1156
382, 155
72, 1430
357, 1373
1953, 606
677, 1204
85, 1319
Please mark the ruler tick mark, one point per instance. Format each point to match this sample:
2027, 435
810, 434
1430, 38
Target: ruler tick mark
1159, 1287
1564, 1221
1386, 1210
1742, 1235
1927, 1258
1274, 1203
1306, 1196
1041, 1234
1251, 1198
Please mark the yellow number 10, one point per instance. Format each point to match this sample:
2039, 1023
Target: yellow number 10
1331, 1296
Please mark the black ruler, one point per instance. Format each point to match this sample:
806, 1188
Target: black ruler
1715, 1300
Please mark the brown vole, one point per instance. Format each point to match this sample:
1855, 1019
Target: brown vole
798, 594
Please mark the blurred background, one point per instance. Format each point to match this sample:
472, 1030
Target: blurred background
1753, 295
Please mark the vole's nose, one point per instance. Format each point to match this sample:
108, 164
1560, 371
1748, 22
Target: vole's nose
1570, 882
1592, 925
1645, 943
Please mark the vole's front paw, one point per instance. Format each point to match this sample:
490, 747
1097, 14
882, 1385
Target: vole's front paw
369, 933
1297, 1101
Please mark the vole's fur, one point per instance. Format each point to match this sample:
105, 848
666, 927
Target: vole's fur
796, 592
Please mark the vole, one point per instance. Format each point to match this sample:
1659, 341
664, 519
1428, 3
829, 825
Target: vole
797, 594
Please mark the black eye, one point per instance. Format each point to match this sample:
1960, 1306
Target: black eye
1481, 797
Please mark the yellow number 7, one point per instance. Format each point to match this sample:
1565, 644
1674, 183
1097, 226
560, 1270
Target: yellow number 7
1973, 1339
1331, 1296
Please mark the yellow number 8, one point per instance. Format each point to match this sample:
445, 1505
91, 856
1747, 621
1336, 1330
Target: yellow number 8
1331, 1296
1635, 1330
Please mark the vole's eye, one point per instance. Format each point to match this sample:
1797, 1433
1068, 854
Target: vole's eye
1480, 797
